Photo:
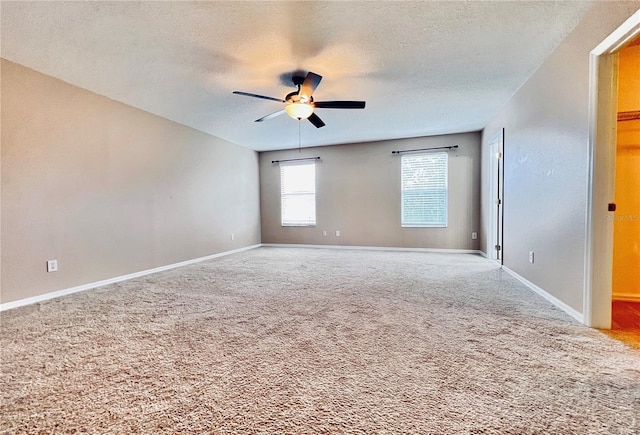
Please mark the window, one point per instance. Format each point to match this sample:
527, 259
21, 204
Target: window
298, 194
424, 190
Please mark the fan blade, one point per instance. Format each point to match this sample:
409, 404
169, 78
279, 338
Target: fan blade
310, 84
315, 120
339, 104
246, 94
271, 115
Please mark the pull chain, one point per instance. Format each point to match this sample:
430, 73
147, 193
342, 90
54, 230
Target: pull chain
299, 140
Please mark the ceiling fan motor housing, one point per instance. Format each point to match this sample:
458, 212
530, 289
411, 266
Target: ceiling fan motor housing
295, 97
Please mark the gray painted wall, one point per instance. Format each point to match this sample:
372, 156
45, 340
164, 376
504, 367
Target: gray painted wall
546, 152
109, 190
358, 193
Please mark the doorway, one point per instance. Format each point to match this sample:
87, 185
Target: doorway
625, 308
496, 243
603, 86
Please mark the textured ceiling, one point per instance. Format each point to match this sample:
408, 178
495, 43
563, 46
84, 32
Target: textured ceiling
424, 68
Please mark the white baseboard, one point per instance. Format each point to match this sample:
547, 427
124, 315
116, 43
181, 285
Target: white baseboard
555, 301
374, 248
630, 297
80, 288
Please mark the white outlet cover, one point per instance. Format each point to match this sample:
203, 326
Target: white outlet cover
52, 265
337, 233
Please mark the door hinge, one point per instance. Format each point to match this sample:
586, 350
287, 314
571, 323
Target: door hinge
498, 201
498, 247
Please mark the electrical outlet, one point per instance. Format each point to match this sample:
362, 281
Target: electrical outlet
233, 236
338, 233
474, 236
324, 233
530, 256
52, 265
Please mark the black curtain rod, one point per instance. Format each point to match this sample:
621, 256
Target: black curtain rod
424, 149
295, 160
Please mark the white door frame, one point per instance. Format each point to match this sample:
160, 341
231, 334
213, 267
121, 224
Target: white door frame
603, 90
496, 189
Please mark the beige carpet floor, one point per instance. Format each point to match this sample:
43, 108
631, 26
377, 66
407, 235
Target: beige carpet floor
314, 341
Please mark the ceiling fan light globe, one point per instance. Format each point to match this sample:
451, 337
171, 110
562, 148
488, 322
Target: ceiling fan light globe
299, 110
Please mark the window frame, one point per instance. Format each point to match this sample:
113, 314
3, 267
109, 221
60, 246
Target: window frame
312, 221
432, 224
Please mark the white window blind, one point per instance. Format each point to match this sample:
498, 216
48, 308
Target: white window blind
424, 190
298, 193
